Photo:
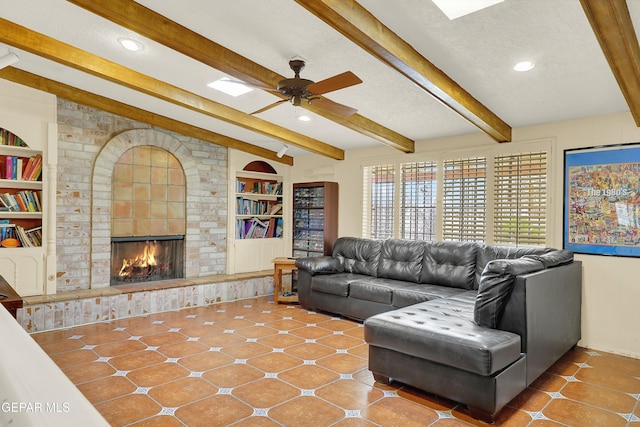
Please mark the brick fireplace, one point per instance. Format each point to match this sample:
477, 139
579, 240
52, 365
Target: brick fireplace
90, 142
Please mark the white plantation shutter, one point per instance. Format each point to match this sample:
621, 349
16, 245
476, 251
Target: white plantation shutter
464, 199
418, 201
379, 199
520, 203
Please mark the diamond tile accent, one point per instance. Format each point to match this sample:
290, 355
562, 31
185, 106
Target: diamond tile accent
168, 411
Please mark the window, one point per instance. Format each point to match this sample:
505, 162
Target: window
464, 200
418, 201
493, 196
520, 200
379, 196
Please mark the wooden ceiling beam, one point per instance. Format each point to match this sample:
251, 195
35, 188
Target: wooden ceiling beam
613, 27
360, 26
109, 105
54, 50
154, 26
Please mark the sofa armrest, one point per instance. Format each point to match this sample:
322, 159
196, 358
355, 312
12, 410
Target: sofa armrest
320, 265
544, 308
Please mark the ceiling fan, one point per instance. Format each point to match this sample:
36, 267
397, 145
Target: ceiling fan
298, 89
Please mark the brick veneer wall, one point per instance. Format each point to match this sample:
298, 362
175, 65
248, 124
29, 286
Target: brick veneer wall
84, 203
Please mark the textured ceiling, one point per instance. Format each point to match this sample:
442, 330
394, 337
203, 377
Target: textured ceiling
571, 78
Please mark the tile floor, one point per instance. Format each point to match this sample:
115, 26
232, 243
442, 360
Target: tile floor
252, 363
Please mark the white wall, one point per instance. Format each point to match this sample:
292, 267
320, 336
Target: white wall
611, 285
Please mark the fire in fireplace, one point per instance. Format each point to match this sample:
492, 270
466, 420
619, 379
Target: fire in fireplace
135, 259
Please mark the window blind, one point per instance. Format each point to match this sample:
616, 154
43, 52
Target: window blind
464, 199
520, 203
379, 196
418, 201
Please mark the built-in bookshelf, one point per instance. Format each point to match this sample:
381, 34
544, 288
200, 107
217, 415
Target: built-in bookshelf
20, 193
259, 227
258, 206
315, 218
28, 158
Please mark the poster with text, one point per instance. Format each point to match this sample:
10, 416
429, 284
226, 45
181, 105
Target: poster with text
602, 200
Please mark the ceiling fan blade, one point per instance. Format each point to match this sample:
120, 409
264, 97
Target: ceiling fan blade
340, 81
270, 106
334, 107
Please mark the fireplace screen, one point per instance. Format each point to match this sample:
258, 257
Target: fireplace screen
135, 259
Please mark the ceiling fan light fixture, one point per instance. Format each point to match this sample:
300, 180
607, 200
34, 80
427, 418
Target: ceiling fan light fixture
524, 66
302, 115
130, 44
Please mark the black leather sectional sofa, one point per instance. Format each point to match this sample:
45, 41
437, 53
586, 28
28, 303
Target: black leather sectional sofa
470, 322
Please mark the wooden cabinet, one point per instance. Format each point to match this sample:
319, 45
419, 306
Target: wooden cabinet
315, 218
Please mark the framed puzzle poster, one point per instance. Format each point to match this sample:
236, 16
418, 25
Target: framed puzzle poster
602, 200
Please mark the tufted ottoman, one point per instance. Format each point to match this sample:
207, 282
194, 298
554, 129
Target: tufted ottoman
436, 346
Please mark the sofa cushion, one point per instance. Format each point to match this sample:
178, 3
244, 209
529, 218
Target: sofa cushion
495, 287
443, 331
401, 259
374, 290
334, 284
359, 256
320, 265
450, 264
405, 294
488, 253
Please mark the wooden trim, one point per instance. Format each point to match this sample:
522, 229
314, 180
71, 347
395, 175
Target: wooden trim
106, 104
360, 26
154, 26
54, 50
613, 27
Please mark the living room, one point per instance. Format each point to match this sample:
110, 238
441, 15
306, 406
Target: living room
608, 312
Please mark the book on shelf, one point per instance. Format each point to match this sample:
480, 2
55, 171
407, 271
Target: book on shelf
29, 238
7, 230
256, 228
275, 209
21, 168
259, 187
9, 138
22, 201
33, 168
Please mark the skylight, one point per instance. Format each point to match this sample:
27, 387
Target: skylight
457, 8
230, 87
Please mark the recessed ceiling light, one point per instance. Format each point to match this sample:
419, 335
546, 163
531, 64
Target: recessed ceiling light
457, 8
229, 86
523, 66
130, 44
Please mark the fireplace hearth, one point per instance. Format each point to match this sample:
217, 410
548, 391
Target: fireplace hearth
146, 259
